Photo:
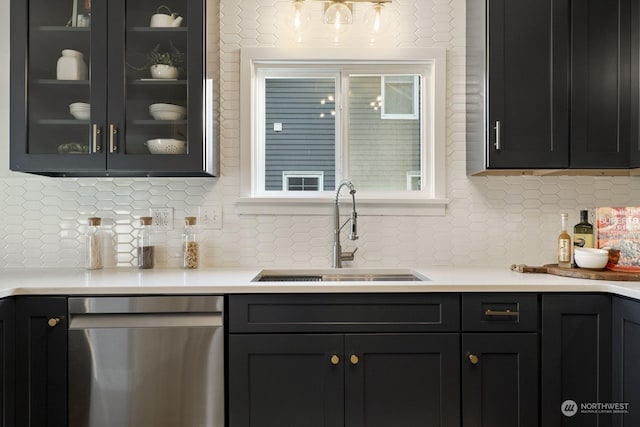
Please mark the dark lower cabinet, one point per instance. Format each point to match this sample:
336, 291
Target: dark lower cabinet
332, 380
41, 362
576, 359
286, 380
7, 371
408, 380
626, 356
500, 380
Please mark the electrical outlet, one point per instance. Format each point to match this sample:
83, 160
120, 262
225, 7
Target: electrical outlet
210, 217
162, 218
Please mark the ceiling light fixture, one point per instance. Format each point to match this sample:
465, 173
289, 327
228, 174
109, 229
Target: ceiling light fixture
340, 12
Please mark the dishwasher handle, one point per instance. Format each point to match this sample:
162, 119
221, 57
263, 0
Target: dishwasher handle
144, 320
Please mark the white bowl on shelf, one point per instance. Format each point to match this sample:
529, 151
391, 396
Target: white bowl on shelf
591, 257
167, 111
166, 146
80, 110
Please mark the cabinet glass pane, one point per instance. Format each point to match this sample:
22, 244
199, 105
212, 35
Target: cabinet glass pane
58, 89
156, 54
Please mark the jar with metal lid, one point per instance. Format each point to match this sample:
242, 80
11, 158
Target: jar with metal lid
190, 245
145, 244
93, 245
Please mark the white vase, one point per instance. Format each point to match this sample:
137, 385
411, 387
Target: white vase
163, 71
71, 66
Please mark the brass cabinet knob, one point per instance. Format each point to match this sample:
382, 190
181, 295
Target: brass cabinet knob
473, 359
354, 359
335, 359
53, 321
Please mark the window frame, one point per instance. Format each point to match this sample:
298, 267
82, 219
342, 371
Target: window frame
400, 116
430, 199
319, 175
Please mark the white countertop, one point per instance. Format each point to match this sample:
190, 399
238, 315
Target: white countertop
68, 281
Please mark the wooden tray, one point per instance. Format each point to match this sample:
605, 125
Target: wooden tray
580, 273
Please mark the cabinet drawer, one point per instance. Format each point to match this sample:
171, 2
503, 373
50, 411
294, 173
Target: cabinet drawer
500, 312
344, 313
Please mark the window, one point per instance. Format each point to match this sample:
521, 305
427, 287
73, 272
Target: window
400, 97
311, 118
302, 181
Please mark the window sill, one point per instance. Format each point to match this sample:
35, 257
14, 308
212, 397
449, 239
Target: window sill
324, 206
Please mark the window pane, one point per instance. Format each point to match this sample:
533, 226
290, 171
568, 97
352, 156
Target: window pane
300, 129
381, 152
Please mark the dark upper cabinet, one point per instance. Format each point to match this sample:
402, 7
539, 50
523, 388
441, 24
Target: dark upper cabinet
552, 85
7, 360
517, 84
575, 357
41, 361
110, 139
626, 354
600, 84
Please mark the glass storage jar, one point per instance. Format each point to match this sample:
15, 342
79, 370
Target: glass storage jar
144, 244
93, 245
190, 246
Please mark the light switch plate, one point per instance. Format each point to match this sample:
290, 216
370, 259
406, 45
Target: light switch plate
210, 217
162, 218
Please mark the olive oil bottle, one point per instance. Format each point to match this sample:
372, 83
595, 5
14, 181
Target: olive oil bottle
564, 243
583, 231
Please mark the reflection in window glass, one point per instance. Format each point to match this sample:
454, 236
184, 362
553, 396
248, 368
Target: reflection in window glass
300, 131
382, 153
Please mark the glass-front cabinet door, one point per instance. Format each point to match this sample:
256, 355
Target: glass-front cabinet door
109, 87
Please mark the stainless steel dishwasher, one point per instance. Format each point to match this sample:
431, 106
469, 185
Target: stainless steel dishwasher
146, 361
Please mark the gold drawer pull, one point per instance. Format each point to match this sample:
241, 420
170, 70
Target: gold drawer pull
502, 313
473, 359
334, 359
53, 322
354, 359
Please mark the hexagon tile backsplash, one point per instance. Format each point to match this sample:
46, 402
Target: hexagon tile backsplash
491, 221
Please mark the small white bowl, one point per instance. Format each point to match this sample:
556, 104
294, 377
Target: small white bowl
80, 110
591, 257
166, 146
167, 112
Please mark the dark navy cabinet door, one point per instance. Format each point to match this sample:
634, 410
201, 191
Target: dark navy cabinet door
407, 380
41, 361
286, 380
626, 354
7, 368
527, 85
576, 357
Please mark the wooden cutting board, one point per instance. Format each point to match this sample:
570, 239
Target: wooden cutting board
580, 273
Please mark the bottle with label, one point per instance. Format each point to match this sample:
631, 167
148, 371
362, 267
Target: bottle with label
190, 248
144, 243
93, 245
583, 231
564, 243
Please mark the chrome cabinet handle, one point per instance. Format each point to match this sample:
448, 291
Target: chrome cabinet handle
113, 130
96, 134
497, 129
509, 313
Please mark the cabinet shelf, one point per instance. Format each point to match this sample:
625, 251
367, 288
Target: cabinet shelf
156, 30
55, 82
151, 122
62, 122
61, 29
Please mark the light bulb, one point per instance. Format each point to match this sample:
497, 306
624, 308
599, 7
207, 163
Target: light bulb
378, 11
297, 12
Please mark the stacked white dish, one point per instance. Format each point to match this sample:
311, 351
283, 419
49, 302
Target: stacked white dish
166, 146
80, 110
167, 112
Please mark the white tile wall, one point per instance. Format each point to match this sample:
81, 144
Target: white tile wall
490, 221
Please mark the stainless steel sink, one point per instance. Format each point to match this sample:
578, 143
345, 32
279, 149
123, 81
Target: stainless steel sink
341, 275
